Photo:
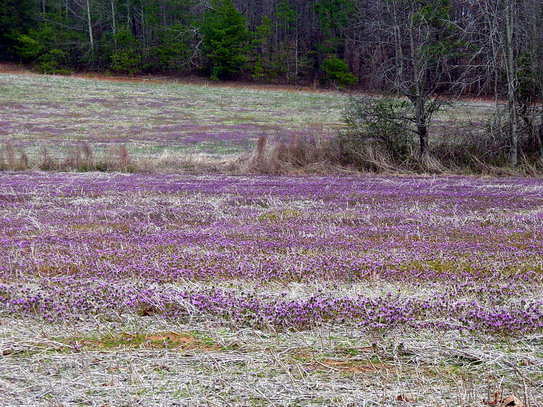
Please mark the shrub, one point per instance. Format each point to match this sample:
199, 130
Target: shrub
126, 59
53, 62
337, 71
384, 122
29, 48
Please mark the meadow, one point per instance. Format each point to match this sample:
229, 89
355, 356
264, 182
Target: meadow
167, 125
203, 290
153, 117
149, 289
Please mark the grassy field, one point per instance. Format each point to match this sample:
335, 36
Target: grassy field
124, 289
163, 119
218, 290
153, 117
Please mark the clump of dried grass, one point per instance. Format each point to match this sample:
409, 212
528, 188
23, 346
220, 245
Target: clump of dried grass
77, 158
370, 157
297, 155
123, 158
88, 156
23, 160
430, 164
72, 160
9, 151
9, 159
47, 162
117, 159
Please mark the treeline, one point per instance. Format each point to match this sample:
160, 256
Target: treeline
282, 40
343, 41
422, 50
278, 40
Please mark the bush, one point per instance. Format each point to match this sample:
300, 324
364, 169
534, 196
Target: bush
126, 59
53, 62
173, 57
29, 48
383, 121
337, 71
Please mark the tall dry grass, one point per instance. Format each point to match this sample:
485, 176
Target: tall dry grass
47, 162
10, 156
77, 158
118, 159
24, 163
297, 155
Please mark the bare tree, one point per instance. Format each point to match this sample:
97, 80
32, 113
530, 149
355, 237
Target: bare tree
510, 13
535, 28
510, 34
416, 46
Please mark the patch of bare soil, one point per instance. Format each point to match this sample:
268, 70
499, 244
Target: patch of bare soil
158, 340
6, 67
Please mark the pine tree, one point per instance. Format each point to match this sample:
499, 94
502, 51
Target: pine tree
225, 40
15, 19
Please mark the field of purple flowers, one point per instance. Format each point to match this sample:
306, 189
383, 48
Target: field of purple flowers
468, 252
184, 290
266, 267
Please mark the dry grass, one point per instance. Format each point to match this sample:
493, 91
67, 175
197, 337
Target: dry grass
9, 153
78, 158
296, 156
151, 362
191, 162
118, 159
299, 155
47, 162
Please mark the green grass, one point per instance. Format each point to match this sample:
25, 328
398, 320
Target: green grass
153, 117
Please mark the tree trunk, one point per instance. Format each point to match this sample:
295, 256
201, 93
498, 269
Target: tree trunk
296, 56
541, 133
113, 21
128, 16
422, 128
513, 128
511, 83
418, 94
89, 23
398, 55
143, 28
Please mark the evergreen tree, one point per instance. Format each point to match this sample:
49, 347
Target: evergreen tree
15, 20
126, 58
225, 40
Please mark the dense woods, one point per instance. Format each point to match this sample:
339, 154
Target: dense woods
421, 50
